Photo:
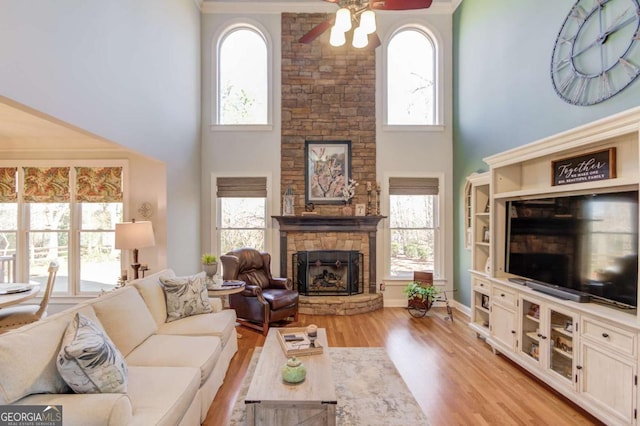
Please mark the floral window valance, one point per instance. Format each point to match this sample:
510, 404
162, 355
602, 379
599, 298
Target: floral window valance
99, 184
8, 193
46, 184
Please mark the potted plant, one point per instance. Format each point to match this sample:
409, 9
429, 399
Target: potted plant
420, 295
209, 264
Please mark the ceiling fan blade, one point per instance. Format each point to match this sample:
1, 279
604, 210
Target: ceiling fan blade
316, 31
401, 4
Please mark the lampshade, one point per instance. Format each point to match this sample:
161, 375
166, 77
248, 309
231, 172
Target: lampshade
360, 39
134, 235
343, 19
368, 21
337, 37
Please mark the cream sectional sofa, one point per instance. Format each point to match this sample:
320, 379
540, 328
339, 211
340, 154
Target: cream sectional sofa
174, 369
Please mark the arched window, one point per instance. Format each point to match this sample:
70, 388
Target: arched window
411, 83
243, 77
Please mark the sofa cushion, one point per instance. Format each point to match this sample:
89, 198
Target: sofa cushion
219, 324
28, 359
89, 361
161, 395
125, 318
152, 292
186, 296
92, 409
35, 371
200, 352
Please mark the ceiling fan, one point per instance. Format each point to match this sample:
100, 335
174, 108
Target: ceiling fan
358, 15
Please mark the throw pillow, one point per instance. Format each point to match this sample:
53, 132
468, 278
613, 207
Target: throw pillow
186, 296
89, 361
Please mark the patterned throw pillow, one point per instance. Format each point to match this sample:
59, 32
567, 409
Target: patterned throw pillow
186, 296
89, 361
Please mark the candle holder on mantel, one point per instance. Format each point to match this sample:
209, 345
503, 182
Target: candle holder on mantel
288, 202
378, 200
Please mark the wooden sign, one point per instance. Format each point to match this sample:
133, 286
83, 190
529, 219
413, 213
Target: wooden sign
594, 166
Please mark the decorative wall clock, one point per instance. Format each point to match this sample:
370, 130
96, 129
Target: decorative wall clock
597, 51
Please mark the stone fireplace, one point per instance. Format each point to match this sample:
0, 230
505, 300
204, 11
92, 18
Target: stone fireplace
328, 94
315, 233
328, 272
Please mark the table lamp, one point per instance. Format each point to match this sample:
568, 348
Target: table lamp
132, 236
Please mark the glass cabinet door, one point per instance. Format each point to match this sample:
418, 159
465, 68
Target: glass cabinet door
561, 344
530, 329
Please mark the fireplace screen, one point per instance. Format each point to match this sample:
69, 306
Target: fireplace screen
328, 272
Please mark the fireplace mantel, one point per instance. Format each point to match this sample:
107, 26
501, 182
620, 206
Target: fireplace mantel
317, 223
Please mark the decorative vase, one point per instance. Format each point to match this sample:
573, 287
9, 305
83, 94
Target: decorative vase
210, 269
294, 371
347, 210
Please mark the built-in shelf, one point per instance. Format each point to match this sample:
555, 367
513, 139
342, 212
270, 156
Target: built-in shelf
533, 336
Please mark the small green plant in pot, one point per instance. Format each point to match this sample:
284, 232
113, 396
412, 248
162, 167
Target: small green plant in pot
416, 292
209, 264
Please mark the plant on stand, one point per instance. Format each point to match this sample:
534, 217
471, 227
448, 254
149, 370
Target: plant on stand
209, 264
420, 297
348, 192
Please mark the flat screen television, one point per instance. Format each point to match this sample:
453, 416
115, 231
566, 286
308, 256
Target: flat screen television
585, 244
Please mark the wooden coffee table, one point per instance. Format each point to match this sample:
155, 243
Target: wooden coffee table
270, 401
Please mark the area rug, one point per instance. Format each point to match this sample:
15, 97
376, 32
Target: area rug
369, 389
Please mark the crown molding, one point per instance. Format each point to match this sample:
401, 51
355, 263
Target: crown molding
307, 6
198, 4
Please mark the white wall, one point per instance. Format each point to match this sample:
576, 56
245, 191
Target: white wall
128, 71
418, 153
239, 153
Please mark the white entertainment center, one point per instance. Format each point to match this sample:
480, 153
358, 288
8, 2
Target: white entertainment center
588, 352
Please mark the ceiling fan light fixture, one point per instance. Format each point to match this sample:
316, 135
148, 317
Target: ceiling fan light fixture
343, 19
368, 21
337, 38
360, 39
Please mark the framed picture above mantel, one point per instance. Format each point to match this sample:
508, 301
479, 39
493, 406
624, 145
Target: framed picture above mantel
594, 166
327, 171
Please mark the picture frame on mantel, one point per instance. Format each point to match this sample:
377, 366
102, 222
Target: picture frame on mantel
327, 170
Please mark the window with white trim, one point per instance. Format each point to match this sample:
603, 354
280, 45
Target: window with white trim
411, 78
242, 77
413, 225
242, 213
69, 217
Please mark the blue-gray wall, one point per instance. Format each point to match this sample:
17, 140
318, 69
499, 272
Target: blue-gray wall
503, 96
125, 70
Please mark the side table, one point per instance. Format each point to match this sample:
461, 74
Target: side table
228, 287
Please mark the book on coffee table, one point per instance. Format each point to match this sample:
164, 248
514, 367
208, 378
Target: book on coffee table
294, 341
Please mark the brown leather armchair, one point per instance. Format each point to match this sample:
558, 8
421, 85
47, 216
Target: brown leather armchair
265, 299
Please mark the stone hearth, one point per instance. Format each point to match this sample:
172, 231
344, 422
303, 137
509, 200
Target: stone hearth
340, 305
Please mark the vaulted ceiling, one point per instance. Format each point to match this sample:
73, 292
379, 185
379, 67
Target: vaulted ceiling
23, 129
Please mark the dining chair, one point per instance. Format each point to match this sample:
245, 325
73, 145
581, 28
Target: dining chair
17, 316
8, 269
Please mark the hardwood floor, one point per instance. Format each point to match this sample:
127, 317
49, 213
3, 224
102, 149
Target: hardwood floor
454, 376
